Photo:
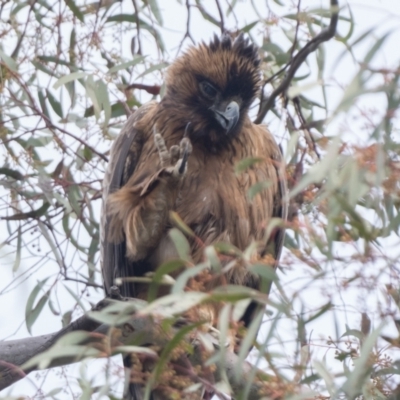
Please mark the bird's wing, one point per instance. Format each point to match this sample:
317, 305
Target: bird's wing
124, 155
280, 210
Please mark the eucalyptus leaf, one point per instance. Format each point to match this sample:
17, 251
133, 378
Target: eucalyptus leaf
68, 78
32, 310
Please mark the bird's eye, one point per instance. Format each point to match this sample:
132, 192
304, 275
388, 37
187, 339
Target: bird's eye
208, 89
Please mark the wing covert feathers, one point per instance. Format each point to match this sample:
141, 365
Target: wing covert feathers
124, 155
213, 200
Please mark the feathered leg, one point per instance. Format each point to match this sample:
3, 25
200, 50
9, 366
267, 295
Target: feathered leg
139, 213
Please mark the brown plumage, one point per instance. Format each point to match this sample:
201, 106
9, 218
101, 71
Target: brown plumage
180, 155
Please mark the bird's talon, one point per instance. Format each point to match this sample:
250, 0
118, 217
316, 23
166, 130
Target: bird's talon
185, 151
186, 134
174, 160
182, 167
174, 151
164, 154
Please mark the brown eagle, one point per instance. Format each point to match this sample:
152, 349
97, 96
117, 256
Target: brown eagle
180, 155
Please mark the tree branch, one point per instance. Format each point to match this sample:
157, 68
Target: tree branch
152, 89
138, 329
137, 26
221, 17
300, 57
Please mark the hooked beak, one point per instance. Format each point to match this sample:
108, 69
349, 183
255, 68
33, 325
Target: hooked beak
228, 118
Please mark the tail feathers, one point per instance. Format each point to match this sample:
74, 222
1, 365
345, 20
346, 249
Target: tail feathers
136, 392
133, 391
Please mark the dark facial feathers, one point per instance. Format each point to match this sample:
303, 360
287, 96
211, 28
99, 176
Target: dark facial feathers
228, 70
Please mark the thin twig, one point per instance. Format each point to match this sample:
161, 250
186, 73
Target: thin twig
137, 26
298, 60
296, 31
307, 134
16, 49
187, 33
221, 16
152, 89
95, 285
206, 14
50, 124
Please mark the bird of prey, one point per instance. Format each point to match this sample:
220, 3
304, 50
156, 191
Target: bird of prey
180, 155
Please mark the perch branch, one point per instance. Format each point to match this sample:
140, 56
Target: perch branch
138, 329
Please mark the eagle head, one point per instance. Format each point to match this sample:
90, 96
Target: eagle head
213, 85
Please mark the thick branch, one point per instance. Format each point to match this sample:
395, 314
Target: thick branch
300, 57
14, 353
137, 329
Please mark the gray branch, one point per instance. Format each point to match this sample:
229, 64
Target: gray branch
137, 329
300, 57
